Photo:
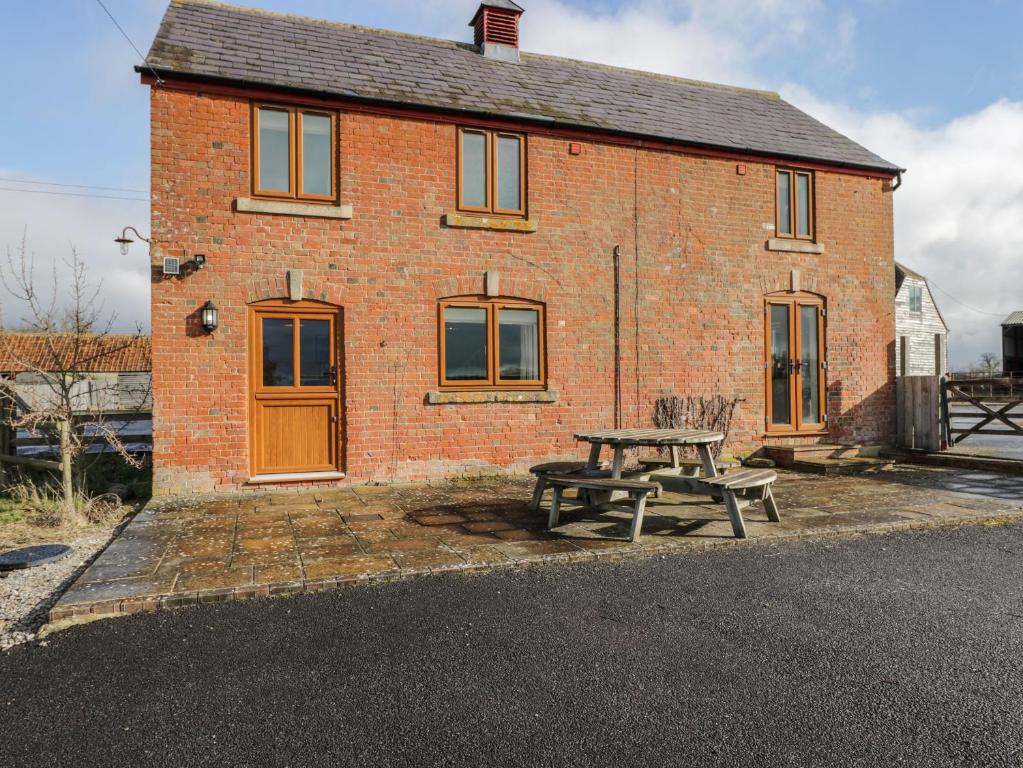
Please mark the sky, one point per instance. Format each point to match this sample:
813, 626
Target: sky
935, 86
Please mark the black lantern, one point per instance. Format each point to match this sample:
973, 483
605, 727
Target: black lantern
210, 317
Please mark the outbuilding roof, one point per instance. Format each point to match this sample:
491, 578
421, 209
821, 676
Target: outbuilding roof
210, 40
1016, 318
112, 353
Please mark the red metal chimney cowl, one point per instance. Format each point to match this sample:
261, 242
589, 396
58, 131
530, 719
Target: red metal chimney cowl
496, 26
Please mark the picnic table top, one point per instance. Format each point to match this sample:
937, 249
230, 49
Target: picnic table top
651, 436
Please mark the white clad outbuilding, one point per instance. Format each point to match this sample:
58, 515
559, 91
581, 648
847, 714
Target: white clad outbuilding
921, 333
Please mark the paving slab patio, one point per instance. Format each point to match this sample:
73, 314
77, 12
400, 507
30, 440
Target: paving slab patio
250, 545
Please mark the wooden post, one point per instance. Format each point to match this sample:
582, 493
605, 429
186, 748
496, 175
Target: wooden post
67, 481
6, 449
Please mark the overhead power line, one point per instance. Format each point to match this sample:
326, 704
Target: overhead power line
75, 186
963, 303
72, 194
142, 58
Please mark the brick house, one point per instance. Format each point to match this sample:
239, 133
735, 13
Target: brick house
432, 258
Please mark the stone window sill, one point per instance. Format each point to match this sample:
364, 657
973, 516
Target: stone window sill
794, 246
437, 397
476, 221
292, 208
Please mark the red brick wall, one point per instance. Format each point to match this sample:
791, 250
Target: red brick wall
694, 273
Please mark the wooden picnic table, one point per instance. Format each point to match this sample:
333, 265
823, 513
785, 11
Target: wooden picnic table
673, 439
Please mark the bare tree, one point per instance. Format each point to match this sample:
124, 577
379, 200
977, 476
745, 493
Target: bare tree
989, 364
72, 336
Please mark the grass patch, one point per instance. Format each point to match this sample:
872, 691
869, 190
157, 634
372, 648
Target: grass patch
11, 511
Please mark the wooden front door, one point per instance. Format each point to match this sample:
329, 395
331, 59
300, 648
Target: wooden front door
295, 405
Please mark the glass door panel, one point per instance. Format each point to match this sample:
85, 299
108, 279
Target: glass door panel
781, 398
314, 353
809, 364
278, 352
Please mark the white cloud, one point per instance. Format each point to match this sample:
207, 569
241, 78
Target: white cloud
958, 214
54, 224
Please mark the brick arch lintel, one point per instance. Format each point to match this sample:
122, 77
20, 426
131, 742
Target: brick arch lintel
475, 285
314, 289
809, 281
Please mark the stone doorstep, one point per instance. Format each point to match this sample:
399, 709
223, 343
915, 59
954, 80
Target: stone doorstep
63, 616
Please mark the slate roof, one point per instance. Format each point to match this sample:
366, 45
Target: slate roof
204, 39
114, 353
1016, 318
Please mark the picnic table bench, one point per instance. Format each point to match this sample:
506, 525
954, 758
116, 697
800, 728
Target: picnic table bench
602, 487
637, 491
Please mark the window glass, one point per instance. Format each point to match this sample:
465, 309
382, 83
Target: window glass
314, 352
316, 166
465, 343
809, 342
780, 405
274, 151
474, 169
915, 298
508, 170
519, 333
278, 352
802, 205
784, 203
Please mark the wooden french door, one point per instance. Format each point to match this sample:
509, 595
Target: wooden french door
796, 364
296, 395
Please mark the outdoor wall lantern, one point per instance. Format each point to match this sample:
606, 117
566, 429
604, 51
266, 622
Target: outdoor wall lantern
124, 241
210, 317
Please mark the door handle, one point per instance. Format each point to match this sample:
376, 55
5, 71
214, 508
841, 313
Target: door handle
333, 375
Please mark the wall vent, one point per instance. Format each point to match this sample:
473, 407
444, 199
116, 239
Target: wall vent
171, 265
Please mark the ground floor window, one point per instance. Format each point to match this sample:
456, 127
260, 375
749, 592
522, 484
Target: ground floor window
491, 343
795, 365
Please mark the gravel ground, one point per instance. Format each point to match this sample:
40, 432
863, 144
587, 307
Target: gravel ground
27, 595
896, 650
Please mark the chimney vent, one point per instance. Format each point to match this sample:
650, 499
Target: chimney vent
496, 25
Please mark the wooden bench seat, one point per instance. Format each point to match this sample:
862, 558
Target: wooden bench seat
637, 491
745, 482
542, 471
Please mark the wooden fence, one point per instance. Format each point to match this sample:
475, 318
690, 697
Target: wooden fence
918, 421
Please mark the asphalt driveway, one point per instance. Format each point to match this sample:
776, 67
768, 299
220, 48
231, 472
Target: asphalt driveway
904, 649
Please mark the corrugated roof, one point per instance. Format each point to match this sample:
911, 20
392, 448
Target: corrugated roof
114, 353
199, 38
1016, 318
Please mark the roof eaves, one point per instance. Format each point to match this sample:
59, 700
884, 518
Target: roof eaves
886, 168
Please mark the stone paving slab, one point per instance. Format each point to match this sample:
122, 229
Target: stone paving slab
272, 544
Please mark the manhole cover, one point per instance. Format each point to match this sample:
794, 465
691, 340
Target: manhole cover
29, 557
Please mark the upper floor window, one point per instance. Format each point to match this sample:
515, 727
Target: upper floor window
795, 204
916, 298
488, 343
293, 153
491, 172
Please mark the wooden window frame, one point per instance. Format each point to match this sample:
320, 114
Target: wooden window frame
491, 168
295, 141
493, 307
792, 234
796, 426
